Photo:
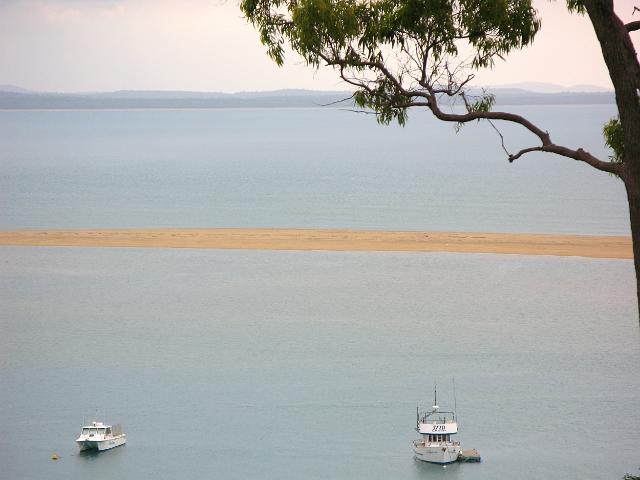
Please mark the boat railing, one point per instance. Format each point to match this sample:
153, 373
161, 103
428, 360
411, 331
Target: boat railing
437, 421
423, 443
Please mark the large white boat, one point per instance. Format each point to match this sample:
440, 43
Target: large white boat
436, 427
99, 436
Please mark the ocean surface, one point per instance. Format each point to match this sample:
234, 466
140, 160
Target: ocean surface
309, 365
305, 168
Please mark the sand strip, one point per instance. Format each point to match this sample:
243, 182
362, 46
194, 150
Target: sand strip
334, 240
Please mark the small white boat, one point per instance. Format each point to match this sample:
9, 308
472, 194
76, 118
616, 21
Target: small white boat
436, 427
99, 436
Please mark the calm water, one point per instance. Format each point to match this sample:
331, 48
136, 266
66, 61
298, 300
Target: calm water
272, 365
300, 168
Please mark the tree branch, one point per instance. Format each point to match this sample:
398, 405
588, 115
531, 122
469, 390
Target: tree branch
469, 116
632, 26
406, 95
501, 138
517, 155
579, 154
342, 100
547, 144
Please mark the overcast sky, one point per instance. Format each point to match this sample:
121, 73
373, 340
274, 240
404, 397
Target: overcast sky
206, 45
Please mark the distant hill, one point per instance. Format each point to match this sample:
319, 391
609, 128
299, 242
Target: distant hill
519, 96
539, 87
16, 98
124, 99
179, 94
14, 89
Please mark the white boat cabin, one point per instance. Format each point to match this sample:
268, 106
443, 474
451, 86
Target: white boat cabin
100, 436
97, 430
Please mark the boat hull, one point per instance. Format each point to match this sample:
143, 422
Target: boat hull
439, 454
101, 445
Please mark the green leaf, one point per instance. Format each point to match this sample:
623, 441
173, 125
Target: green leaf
614, 139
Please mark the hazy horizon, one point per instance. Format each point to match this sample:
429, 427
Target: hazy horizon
206, 46
534, 87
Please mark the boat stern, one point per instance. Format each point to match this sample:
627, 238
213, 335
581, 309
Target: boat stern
439, 454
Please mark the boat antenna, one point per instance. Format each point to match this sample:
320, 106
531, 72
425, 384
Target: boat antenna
435, 396
455, 402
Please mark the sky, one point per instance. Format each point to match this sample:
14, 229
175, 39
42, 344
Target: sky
206, 45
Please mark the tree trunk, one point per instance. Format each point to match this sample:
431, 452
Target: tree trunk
633, 195
621, 59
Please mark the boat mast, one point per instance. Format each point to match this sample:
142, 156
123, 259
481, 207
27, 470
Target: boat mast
455, 403
435, 395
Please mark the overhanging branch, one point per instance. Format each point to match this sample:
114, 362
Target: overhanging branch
547, 144
407, 97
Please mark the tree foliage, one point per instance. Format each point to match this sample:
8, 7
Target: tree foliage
399, 54
395, 51
614, 139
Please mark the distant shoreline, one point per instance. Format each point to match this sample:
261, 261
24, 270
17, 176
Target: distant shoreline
170, 100
613, 247
163, 109
245, 108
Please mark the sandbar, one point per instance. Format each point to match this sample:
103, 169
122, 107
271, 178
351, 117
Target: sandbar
616, 247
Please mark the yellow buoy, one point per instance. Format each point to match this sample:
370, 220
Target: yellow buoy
55, 456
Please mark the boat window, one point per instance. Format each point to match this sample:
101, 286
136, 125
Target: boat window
85, 431
92, 431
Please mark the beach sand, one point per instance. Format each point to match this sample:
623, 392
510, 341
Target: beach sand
330, 240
